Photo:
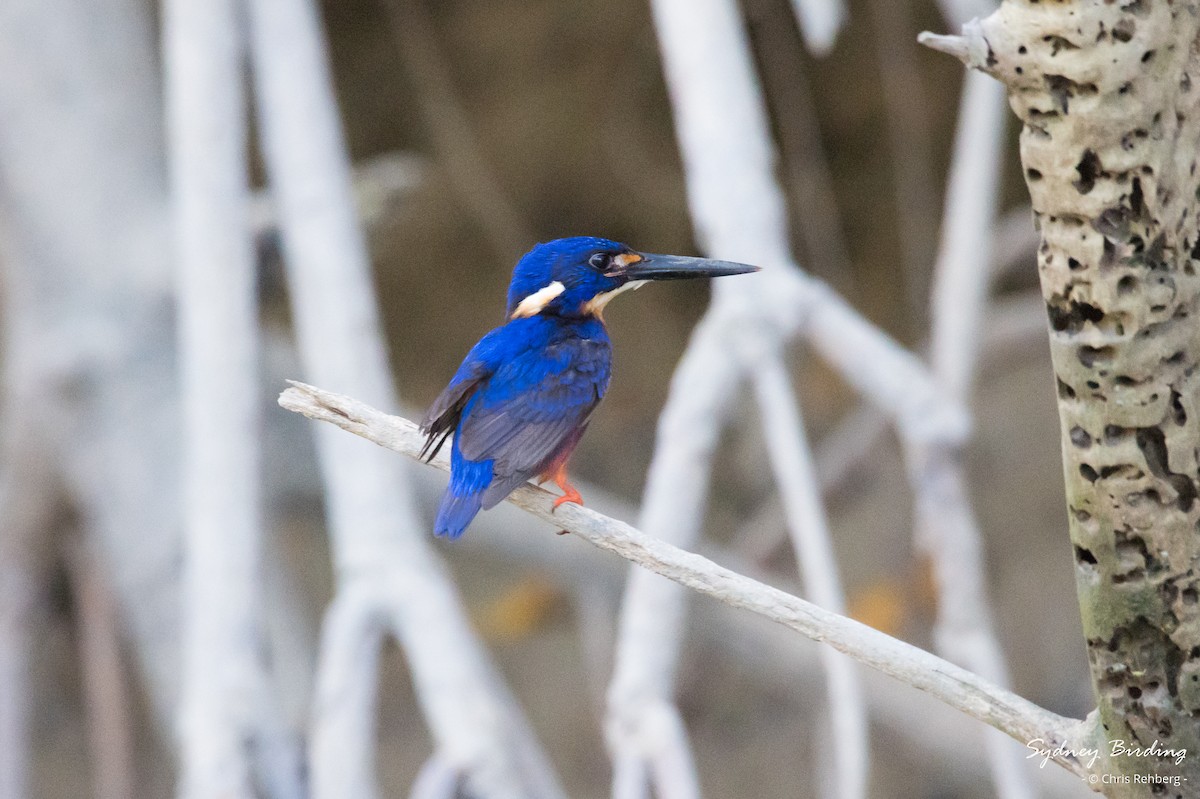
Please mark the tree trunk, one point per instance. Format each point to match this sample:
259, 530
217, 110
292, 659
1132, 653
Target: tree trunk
1109, 147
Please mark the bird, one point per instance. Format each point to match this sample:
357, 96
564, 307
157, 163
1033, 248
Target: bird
525, 393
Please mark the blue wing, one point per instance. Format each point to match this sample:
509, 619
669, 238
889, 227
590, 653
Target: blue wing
532, 408
523, 395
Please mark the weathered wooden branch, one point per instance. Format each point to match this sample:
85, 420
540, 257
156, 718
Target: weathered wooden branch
1106, 92
951, 684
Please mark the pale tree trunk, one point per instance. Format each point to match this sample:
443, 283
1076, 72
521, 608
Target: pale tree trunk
1109, 146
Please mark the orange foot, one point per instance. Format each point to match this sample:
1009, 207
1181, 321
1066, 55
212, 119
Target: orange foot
570, 493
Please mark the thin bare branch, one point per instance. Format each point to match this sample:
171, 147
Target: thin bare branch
970, 48
945, 526
343, 717
962, 273
951, 684
791, 461
772, 656
776, 659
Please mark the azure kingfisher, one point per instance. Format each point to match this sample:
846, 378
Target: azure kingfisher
524, 395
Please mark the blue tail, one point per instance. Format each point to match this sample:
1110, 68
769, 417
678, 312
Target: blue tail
464, 495
456, 512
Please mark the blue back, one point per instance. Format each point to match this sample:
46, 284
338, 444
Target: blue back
521, 399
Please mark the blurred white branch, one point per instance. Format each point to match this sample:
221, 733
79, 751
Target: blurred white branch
962, 275
651, 622
959, 12
437, 779
945, 526
739, 213
225, 690
820, 22
387, 572
791, 461
343, 750
951, 684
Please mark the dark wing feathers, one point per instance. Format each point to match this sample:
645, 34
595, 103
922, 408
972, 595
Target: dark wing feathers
444, 414
510, 476
520, 432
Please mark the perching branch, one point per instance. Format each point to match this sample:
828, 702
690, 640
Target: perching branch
954, 686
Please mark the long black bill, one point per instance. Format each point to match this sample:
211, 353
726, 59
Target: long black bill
681, 267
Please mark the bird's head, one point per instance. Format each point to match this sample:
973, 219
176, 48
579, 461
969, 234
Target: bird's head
579, 275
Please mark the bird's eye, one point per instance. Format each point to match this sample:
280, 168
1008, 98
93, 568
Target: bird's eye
599, 260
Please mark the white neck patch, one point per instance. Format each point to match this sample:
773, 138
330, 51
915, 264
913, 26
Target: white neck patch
535, 302
596, 304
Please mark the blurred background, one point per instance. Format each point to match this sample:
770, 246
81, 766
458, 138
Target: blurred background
476, 130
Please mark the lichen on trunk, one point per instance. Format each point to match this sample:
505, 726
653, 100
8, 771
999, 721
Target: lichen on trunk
1109, 94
